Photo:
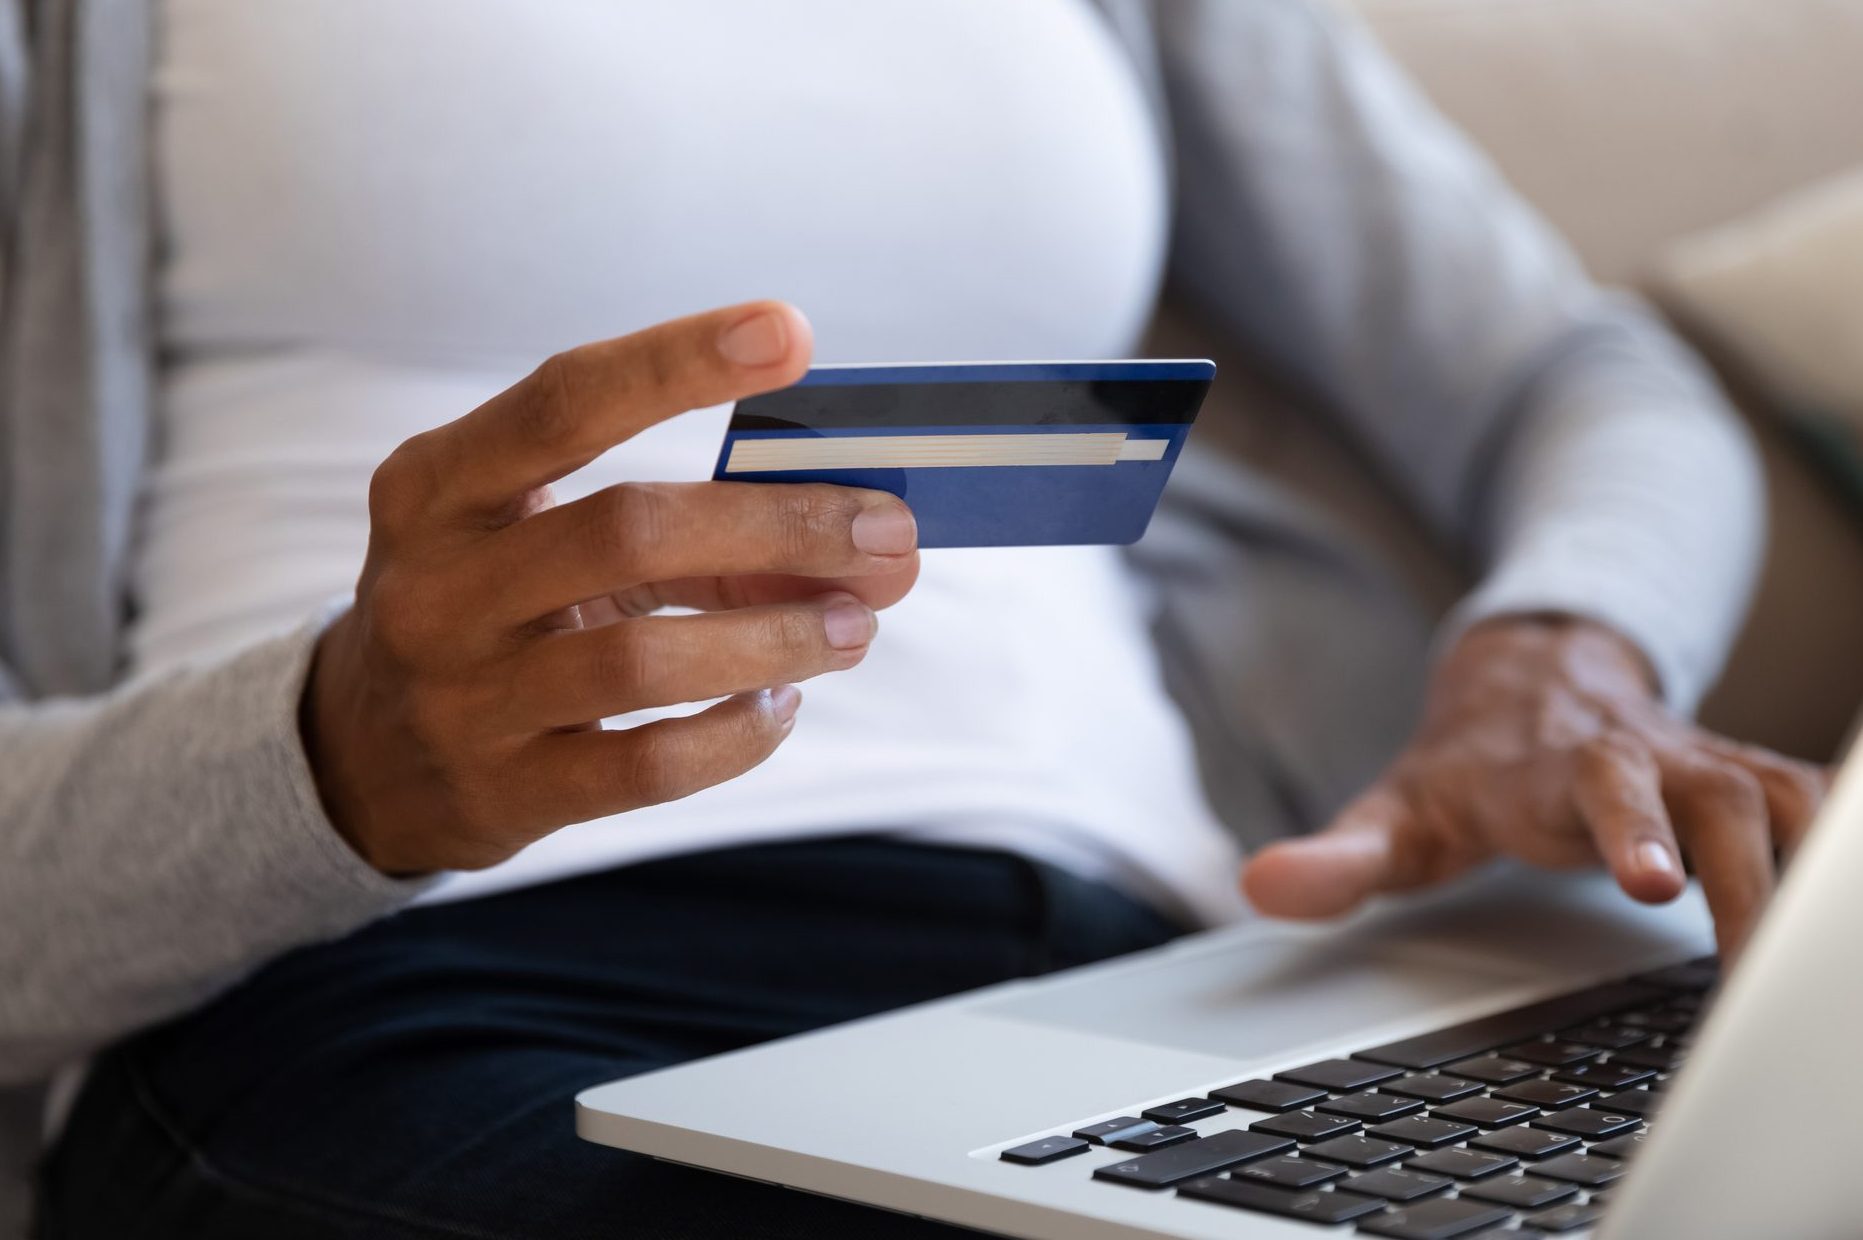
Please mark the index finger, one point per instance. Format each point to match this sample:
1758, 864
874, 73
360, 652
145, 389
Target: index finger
580, 403
1618, 791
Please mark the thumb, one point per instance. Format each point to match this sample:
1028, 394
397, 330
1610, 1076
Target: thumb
1335, 870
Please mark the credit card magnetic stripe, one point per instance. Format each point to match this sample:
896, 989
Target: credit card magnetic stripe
952, 403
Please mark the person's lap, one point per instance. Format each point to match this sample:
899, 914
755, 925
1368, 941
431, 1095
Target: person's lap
414, 1080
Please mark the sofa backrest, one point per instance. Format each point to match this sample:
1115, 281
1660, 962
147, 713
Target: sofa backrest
1633, 122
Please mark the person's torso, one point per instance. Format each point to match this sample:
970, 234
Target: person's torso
376, 213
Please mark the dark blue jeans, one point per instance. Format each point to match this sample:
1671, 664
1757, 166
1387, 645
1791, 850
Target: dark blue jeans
415, 1079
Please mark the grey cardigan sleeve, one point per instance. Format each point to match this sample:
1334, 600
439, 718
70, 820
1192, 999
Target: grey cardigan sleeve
1553, 434
155, 845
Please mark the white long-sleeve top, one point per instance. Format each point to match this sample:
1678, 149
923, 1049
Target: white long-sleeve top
375, 216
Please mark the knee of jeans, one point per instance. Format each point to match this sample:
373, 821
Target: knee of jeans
111, 1170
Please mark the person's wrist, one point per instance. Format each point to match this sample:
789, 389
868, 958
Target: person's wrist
1581, 651
327, 723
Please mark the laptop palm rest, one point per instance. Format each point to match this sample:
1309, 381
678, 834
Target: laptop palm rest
1257, 997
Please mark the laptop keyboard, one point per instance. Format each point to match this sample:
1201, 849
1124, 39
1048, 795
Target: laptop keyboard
1510, 1126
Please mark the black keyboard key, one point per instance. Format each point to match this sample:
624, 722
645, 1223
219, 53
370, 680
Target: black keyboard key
1694, 977
1607, 1036
1397, 1184
1664, 1058
1605, 1076
1522, 1192
1422, 1131
1666, 1020
1590, 1124
1569, 1217
1268, 1095
1306, 1126
1494, 1070
1432, 1050
1339, 1075
1371, 1106
1441, 1219
1288, 1171
1547, 1095
1142, 1140
1638, 1102
1621, 1147
1184, 1110
1584, 1170
1311, 1205
1046, 1150
1107, 1129
1358, 1151
1463, 1164
1529, 1143
1217, 1152
1551, 1054
1432, 1087
1486, 1112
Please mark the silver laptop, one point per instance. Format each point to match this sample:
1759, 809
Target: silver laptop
1506, 1055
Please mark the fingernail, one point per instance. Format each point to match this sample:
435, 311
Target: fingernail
848, 624
761, 340
784, 701
886, 530
1654, 858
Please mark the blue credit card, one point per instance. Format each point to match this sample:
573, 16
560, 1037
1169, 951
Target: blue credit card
991, 454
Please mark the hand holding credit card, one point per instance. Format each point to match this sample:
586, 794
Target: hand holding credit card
992, 454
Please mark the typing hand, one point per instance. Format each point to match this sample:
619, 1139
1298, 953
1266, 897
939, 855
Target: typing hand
1543, 740
453, 715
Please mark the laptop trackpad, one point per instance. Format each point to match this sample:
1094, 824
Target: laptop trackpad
1254, 998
